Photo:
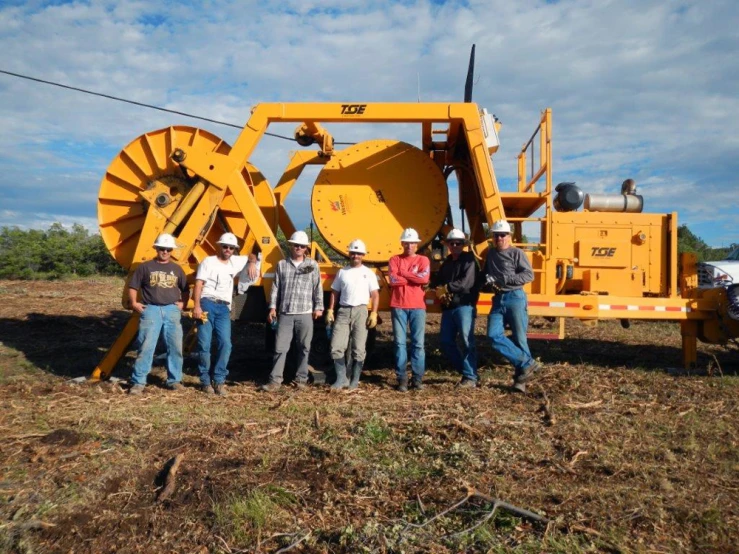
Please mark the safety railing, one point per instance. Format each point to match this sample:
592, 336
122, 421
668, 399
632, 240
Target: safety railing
535, 179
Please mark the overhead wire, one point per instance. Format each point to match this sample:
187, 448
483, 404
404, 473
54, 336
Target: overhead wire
141, 104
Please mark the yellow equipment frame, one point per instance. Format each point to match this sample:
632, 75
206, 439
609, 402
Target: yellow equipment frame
671, 296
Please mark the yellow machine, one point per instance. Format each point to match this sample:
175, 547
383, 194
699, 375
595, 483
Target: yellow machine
608, 261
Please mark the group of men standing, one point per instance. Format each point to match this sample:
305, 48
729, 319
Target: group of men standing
296, 300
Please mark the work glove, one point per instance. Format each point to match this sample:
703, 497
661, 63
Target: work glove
444, 295
491, 284
372, 320
330, 317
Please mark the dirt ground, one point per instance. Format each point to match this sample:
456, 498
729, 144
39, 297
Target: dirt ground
612, 449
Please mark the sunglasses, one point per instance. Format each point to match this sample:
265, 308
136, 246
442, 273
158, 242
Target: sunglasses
500, 235
164, 250
456, 243
299, 246
356, 254
228, 247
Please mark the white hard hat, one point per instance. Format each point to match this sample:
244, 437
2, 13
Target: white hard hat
229, 239
501, 226
299, 237
409, 235
357, 246
455, 234
165, 240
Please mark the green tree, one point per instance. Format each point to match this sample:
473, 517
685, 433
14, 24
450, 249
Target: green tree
54, 253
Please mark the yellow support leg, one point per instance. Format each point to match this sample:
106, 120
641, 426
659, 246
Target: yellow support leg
689, 332
106, 366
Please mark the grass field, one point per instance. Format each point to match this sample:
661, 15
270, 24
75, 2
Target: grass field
615, 449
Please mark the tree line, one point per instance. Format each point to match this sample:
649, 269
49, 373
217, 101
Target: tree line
61, 252
54, 253
687, 241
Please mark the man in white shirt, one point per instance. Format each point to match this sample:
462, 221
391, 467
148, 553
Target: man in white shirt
352, 289
213, 292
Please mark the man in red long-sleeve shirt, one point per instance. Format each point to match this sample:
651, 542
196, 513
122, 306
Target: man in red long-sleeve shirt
408, 273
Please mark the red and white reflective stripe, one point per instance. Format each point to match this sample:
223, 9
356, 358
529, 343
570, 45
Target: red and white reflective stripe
538, 304
634, 308
605, 307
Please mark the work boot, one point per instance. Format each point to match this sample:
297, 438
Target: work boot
300, 385
207, 389
416, 383
341, 380
176, 387
518, 387
136, 389
270, 387
466, 383
402, 385
528, 372
220, 389
356, 372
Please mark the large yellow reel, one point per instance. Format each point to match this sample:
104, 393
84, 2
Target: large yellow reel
145, 165
375, 189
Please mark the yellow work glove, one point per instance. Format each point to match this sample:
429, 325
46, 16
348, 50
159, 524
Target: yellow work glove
330, 317
372, 320
441, 291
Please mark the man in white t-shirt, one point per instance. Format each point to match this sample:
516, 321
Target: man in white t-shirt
353, 288
213, 292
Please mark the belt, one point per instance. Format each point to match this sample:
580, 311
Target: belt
216, 300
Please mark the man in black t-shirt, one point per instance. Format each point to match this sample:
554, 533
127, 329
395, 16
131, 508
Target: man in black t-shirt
158, 292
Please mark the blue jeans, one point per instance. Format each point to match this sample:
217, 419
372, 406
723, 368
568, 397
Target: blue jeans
460, 321
512, 308
153, 320
219, 320
416, 320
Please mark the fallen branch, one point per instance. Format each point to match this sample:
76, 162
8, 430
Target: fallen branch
283, 401
718, 365
546, 409
579, 453
584, 406
293, 545
512, 509
497, 504
169, 483
268, 433
471, 430
515, 510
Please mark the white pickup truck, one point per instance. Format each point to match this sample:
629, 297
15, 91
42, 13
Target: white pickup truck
723, 273
719, 273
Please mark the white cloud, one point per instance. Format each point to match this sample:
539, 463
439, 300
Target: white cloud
644, 90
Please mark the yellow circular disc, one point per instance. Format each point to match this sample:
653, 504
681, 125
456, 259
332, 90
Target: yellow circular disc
145, 164
375, 189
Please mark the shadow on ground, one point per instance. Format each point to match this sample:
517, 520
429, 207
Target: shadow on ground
71, 346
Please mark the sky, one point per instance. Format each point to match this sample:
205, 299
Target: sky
639, 89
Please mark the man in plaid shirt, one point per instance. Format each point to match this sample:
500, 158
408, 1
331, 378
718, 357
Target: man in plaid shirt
298, 296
